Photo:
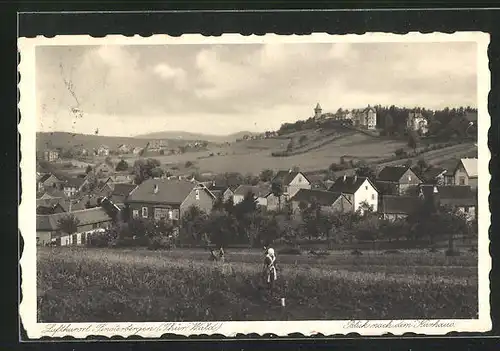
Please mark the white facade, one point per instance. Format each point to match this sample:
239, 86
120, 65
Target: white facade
366, 193
299, 182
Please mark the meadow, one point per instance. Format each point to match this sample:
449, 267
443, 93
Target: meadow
111, 285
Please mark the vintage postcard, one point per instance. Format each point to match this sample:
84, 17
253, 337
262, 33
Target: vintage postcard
228, 185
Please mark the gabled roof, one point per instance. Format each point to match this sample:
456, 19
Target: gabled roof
48, 202
324, 198
75, 182
392, 173
318, 107
286, 177
170, 191
399, 204
451, 194
85, 217
470, 165
123, 189
350, 185
431, 173
258, 191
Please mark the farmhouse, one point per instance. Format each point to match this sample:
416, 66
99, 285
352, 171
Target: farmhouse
327, 200
461, 197
123, 149
434, 175
397, 180
48, 180
220, 191
48, 227
291, 182
358, 190
260, 194
417, 122
466, 172
398, 207
120, 193
49, 206
73, 186
167, 199
103, 150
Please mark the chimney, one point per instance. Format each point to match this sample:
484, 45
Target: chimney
345, 177
355, 178
290, 170
213, 183
155, 189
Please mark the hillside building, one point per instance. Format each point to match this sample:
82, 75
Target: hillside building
417, 122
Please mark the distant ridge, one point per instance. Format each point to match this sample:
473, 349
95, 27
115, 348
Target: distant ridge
46, 140
181, 135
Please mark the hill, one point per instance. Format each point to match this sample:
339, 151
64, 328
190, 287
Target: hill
65, 140
181, 135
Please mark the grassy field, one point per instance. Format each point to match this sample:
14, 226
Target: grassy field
103, 285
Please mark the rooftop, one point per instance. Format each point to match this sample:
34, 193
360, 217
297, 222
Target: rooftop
399, 204
324, 198
348, 184
87, 216
171, 191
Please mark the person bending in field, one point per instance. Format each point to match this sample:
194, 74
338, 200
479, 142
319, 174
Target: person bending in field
270, 274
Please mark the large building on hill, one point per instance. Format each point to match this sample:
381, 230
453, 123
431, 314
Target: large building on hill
363, 117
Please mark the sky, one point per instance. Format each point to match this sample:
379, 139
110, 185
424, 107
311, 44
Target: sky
227, 88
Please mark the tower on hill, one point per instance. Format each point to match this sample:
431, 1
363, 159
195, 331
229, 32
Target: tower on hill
317, 111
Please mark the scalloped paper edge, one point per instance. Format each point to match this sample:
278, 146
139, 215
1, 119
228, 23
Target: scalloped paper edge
27, 227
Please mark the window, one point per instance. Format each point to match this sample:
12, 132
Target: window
366, 187
461, 180
300, 179
409, 178
135, 213
373, 196
197, 194
160, 213
144, 212
466, 209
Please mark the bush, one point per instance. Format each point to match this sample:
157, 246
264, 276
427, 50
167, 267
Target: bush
392, 252
452, 253
289, 251
159, 242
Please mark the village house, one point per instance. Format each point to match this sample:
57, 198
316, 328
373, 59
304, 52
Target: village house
260, 194
291, 182
417, 122
103, 150
120, 193
123, 149
358, 190
434, 175
167, 199
49, 205
136, 150
48, 228
460, 197
220, 191
103, 170
50, 155
47, 181
466, 172
394, 208
73, 186
397, 180
328, 201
